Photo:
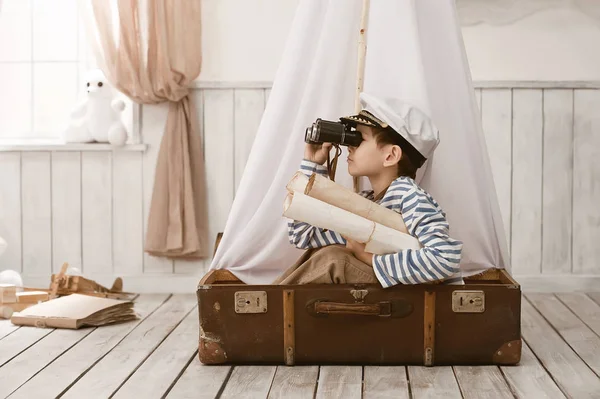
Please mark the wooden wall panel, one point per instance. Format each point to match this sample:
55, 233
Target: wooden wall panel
36, 209
10, 210
526, 234
66, 209
557, 181
90, 208
586, 183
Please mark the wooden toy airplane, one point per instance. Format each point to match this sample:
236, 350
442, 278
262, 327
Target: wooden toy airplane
64, 284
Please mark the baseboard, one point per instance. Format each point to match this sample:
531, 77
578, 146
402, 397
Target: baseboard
477, 84
141, 284
559, 283
172, 283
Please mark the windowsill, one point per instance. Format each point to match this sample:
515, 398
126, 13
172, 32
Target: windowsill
50, 145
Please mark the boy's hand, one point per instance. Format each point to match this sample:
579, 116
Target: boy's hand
358, 249
317, 152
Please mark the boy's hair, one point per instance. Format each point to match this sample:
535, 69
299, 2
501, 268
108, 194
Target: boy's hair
388, 136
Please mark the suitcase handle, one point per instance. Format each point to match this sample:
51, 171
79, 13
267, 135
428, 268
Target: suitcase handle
382, 309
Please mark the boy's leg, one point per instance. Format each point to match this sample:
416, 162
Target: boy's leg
301, 260
333, 264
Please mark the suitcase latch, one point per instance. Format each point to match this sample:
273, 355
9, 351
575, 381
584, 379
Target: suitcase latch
251, 302
468, 301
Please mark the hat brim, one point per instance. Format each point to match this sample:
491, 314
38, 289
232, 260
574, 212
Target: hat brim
363, 118
368, 119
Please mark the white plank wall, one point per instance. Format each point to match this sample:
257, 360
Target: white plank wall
10, 210
496, 113
96, 211
36, 208
557, 182
127, 214
586, 182
526, 219
66, 210
90, 208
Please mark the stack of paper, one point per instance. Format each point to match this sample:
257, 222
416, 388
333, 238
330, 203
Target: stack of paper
75, 311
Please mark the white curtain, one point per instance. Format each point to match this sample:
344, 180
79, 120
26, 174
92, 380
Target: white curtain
415, 52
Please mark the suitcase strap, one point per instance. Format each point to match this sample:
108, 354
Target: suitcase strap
289, 338
429, 329
383, 309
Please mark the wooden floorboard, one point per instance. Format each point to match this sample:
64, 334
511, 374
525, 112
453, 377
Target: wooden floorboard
199, 381
249, 382
6, 328
18, 341
24, 366
595, 297
340, 382
385, 382
530, 379
569, 371
66, 369
113, 370
433, 382
154, 378
478, 382
584, 307
575, 332
294, 382
156, 356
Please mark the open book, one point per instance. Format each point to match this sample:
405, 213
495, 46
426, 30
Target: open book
323, 203
75, 311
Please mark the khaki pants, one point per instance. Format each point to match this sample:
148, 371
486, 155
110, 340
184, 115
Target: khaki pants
333, 264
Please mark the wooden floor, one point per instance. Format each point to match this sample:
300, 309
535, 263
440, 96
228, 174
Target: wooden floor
156, 357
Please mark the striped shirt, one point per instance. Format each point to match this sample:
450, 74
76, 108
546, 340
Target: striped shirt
438, 259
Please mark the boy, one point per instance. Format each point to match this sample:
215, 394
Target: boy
397, 139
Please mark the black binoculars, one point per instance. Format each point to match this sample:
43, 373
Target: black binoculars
323, 131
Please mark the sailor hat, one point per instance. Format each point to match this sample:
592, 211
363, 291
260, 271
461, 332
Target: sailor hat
417, 134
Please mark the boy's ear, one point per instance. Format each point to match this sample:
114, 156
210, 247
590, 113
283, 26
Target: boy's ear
393, 156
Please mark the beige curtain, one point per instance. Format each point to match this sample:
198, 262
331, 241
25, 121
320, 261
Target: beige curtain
153, 61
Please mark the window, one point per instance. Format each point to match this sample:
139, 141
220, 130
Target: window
42, 62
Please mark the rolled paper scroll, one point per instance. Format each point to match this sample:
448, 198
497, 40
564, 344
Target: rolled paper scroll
379, 239
297, 183
325, 190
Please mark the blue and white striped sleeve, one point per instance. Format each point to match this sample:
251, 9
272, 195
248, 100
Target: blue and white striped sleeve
308, 168
305, 236
440, 256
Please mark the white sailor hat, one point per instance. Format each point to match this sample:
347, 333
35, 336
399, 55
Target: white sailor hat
417, 132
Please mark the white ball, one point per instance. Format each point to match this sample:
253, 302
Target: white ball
73, 271
11, 277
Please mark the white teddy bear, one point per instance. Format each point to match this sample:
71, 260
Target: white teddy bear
97, 118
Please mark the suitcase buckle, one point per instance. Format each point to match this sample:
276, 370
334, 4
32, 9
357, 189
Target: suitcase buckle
385, 309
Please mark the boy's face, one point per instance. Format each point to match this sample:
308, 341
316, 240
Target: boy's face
370, 159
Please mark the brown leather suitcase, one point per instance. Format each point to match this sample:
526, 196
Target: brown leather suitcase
430, 324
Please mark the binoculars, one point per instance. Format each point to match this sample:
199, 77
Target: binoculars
323, 131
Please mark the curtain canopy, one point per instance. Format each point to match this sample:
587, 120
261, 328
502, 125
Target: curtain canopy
414, 51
